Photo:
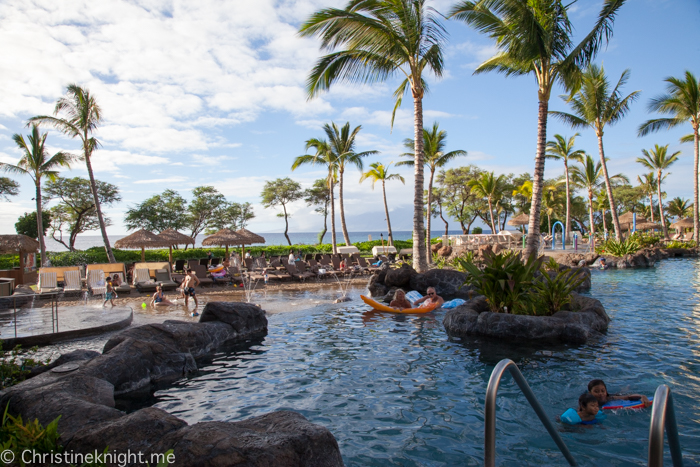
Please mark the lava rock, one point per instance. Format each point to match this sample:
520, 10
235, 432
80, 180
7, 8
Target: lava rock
448, 283
436, 247
399, 277
280, 439
445, 251
375, 287
76, 356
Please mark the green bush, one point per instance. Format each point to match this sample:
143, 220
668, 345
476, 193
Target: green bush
18, 436
460, 262
477, 230
9, 261
679, 244
15, 365
619, 248
647, 240
553, 293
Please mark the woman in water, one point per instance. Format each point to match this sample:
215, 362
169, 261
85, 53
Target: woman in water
400, 301
159, 298
598, 389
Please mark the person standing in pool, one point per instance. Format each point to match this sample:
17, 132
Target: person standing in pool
109, 294
188, 285
598, 389
430, 297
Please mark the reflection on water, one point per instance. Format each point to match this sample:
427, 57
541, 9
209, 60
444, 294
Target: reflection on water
394, 390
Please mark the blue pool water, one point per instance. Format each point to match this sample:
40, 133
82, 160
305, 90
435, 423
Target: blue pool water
394, 390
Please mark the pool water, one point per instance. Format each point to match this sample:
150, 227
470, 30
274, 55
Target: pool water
394, 390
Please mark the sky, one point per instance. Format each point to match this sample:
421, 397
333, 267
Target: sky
213, 93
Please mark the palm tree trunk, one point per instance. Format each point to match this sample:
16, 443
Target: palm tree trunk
568, 202
608, 187
325, 225
342, 209
696, 215
388, 222
493, 226
420, 263
286, 224
651, 207
334, 243
549, 223
661, 206
40, 223
100, 218
590, 216
533, 228
605, 226
427, 224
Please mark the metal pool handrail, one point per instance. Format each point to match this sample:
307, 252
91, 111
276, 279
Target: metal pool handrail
663, 415
490, 413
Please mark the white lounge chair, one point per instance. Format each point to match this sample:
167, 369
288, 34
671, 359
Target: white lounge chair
72, 281
143, 281
47, 282
96, 282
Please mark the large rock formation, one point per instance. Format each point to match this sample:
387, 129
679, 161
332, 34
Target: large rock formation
586, 318
82, 392
448, 283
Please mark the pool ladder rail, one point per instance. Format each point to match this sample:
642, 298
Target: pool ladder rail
662, 415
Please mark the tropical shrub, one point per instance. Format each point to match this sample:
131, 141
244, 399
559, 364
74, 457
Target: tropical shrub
551, 264
553, 293
9, 261
477, 230
15, 365
17, 436
647, 240
460, 262
505, 280
439, 261
679, 244
619, 248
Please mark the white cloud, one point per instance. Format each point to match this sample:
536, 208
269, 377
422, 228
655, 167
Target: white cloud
160, 180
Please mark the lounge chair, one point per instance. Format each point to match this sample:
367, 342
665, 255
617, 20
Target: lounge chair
124, 287
201, 273
364, 264
204, 262
179, 265
143, 281
96, 282
163, 278
325, 260
215, 261
336, 267
72, 282
47, 283
292, 270
302, 268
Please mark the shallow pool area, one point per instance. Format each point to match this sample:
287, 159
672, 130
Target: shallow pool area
394, 390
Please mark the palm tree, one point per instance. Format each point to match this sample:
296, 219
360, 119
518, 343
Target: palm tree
82, 116
381, 172
551, 202
490, 187
535, 38
659, 160
647, 182
563, 150
679, 207
682, 101
36, 163
435, 158
587, 176
342, 143
324, 156
378, 40
595, 105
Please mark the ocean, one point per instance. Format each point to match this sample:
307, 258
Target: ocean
83, 242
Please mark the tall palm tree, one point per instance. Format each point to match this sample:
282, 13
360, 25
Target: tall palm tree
648, 184
552, 202
588, 176
324, 156
658, 159
36, 163
490, 187
682, 102
381, 172
435, 157
82, 115
342, 143
596, 105
679, 207
562, 149
371, 41
534, 37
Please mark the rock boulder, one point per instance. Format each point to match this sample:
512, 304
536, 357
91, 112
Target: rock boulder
447, 282
399, 277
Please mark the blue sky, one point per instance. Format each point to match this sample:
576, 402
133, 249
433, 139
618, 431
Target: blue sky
212, 92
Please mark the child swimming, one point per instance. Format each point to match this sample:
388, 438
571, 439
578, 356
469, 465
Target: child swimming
588, 412
598, 389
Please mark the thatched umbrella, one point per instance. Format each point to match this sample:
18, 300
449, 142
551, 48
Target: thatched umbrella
683, 224
20, 244
173, 237
627, 219
141, 239
224, 237
522, 219
249, 237
648, 226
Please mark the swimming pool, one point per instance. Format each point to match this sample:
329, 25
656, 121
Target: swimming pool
395, 391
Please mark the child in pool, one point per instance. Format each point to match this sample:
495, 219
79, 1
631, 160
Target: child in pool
588, 412
598, 389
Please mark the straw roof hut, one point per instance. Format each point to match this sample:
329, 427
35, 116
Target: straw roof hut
15, 243
250, 238
522, 219
141, 239
683, 224
173, 237
224, 237
648, 226
627, 218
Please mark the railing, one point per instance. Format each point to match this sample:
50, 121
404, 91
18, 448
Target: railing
663, 415
54, 308
490, 413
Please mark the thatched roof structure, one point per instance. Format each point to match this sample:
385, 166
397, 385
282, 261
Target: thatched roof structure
141, 239
683, 223
224, 237
15, 243
250, 237
173, 237
648, 226
522, 219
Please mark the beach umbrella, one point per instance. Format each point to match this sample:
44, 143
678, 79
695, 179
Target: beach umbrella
627, 218
141, 239
249, 237
522, 219
224, 237
683, 224
173, 237
647, 226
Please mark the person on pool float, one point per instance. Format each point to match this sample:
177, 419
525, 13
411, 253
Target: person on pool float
159, 299
598, 389
400, 301
588, 412
430, 297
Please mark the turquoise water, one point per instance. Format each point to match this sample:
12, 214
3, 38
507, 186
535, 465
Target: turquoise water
395, 391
